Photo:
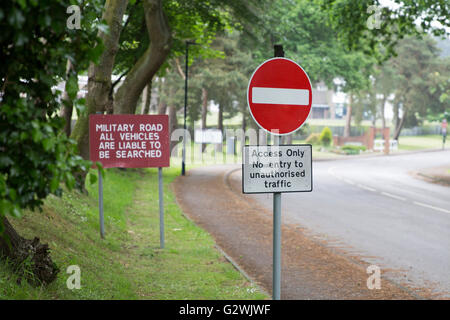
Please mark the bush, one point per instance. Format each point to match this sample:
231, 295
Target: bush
353, 149
314, 138
325, 136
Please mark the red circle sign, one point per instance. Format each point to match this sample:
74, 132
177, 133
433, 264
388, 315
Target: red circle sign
279, 96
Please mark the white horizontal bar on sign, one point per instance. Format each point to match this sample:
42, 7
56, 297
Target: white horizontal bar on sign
298, 97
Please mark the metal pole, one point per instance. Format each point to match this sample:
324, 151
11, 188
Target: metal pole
183, 165
100, 204
100, 199
161, 208
276, 286
276, 246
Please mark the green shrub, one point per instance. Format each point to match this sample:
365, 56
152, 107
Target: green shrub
326, 136
353, 149
314, 138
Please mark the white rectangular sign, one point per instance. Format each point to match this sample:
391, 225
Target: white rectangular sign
268, 169
208, 136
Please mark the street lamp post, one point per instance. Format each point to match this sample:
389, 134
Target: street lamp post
183, 161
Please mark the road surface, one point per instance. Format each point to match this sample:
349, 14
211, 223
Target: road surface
376, 209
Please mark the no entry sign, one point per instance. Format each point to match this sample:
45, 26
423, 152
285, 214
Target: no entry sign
129, 141
279, 96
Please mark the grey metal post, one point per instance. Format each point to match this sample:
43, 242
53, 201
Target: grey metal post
100, 199
276, 285
100, 204
161, 208
276, 246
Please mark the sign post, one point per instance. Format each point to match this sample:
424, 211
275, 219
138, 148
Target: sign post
100, 201
279, 96
100, 204
161, 208
130, 141
276, 281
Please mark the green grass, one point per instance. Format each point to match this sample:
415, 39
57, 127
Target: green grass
128, 264
420, 142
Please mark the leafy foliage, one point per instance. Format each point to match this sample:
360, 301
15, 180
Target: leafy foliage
189, 20
352, 19
35, 155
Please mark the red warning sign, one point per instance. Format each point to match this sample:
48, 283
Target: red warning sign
129, 141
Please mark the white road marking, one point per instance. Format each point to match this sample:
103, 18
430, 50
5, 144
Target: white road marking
348, 181
431, 207
393, 196
299, 97
331, 171
367, 188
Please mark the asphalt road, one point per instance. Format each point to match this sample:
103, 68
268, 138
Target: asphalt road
376, 209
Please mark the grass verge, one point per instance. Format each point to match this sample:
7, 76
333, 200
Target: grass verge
420, 142
128, 264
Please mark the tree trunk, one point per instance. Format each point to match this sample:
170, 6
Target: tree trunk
67, 107
66, 113
99, 80
204, 112
396, 119
148, 64
348, 120
29, 258
148, 98
382, 108
400, 126
162, 108
220, 118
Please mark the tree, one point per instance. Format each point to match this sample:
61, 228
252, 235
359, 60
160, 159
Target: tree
385, 80
148, 64
416, 93
186, 18
375, 29
357, 29
308, 36
35, 155
99, 81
